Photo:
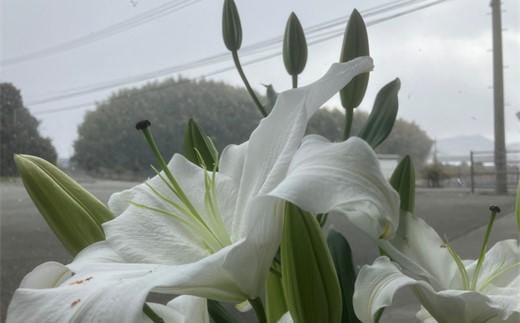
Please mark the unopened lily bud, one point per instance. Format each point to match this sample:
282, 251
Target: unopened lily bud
311, 288
355, 44
231, 28
294, 46
198, 147
74, 214
403, 181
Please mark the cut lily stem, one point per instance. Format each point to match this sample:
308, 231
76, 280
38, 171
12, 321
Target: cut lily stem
294, 81
349, 116
151, 314
494, 211
259, 309
246, 83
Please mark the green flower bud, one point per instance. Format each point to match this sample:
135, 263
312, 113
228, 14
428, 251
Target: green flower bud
231, 28
198, 147
294, 46
403, 181
71, 212
355, 44
309, 280
382, 117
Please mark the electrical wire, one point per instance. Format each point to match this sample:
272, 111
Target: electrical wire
253, 49
123, 26
324, 37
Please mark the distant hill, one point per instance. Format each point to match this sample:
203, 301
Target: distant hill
459, 147
462, 145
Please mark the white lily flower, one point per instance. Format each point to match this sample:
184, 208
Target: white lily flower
51, 293
449, 290
215, 234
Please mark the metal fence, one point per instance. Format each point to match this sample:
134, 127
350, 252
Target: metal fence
482, 170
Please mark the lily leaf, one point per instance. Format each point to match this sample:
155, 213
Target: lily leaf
231, 27
198, 147
309, 280
275, 300
355, 44
74, 214
342, 257
403, 181
382, 118
219, 314
294, 46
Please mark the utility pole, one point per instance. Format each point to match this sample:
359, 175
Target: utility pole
498, 95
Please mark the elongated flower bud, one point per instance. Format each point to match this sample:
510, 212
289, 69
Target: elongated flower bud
198, 147
231, 28
382, 117
403, 181
309, 280
294, 46
355, 44
74, 214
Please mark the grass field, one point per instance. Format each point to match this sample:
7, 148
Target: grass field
26, 241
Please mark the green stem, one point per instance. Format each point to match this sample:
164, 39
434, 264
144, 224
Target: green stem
259, 309
349, 116
483, 248
246, 83
294, 81
151, 314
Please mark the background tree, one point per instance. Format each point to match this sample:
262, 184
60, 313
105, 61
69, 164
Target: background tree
406, 137
109, 146
19, 131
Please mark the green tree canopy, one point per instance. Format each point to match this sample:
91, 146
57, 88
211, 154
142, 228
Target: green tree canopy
109, 145
19, 131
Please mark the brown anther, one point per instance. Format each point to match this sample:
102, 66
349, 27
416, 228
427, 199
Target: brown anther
75, 303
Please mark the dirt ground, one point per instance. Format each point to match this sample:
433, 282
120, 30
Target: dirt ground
26, 241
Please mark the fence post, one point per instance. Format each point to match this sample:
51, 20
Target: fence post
472, 171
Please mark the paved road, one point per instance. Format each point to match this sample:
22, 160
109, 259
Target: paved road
26, 240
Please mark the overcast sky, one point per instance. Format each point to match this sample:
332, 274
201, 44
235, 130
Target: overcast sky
442, 55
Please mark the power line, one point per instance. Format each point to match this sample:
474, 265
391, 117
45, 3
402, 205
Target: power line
123, 26
330, 35
253, 49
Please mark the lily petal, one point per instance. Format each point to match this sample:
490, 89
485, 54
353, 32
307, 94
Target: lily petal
183, 309
274, 142
377, 284
342, 178
422, 253
500, 269
141, 235
116, 292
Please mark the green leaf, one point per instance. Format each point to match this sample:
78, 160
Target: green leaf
382, 118
74, 214
198, 147
294, 46
231, 28
309, 280
342, 257
275, 301
219, 314
403, 181
355, 44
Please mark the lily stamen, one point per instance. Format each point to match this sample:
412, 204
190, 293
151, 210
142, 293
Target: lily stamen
494, 211
211, 227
